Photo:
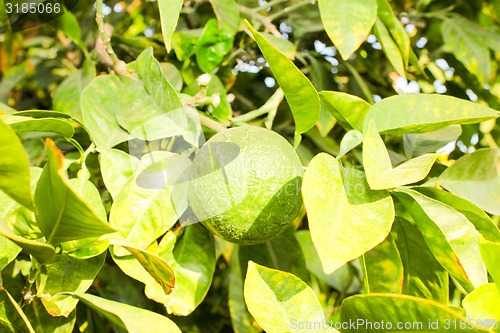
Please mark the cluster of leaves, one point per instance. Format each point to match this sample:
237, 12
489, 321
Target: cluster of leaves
95, 227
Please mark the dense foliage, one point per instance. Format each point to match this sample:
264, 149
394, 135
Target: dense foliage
390, 105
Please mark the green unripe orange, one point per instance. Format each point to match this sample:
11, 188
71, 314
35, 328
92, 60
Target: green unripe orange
246, 184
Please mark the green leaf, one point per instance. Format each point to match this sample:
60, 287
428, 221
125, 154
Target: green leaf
44, 322
213, 45
420, 113
419, 144
66, 274
242, 321
341, 279
349, 110
299, 91
66, 216
117, 168
351, 140
383, 269
475, 177
26, 125
173, 75
132, 319
481, 306
67, 95
348, 23
223, 110
482, 222
389, 47
193, 263
228, 15
417, 313
169, 15
280, 301
41, 251
10, 250
423, 275
450, 236
346, 218
378, 167
489, 253
461, 38
14, 167
286, 47
12, 317
395, 27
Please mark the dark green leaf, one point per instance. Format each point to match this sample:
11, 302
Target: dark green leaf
44, 322
213, 45
12, 317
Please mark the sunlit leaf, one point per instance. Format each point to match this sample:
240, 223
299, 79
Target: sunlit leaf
349, 110
481, 305
169, 14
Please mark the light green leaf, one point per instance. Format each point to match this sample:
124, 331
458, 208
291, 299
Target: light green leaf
67, 95
349, 110
14, 167
26, 124
132, 319
475, 177
299, 91
66, 216
419, 144
281, 302
169, 15
286, 47
383, 269
173, 75
378, 167
348, 23
482, 222
462, 38
450, 236
420, 113
389, 47
346, 218
418, 313
10, 250
117, 168
66, 274
44, 322
489, 253
193, 263
350, 141
228, 15
395, 27
423, 275
12, 317
481, 306
340, 279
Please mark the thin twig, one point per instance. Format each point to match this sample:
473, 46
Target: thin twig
261, 19
288, 9
205, 121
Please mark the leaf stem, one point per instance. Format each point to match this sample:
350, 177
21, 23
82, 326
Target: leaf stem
289, 9
205, 121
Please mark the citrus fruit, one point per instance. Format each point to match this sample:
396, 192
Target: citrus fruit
246, 184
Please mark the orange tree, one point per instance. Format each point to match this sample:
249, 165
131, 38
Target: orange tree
390, 106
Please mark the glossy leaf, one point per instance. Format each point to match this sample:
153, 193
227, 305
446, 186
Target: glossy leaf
117, 168
228, 15
299, 91
378, 167
12, 317
130, 318
419, 144
66, 274
346, 218
450, 236
279, 301
67, 95
423, 275
461, 38
66, 216
213, 45
351, 140
383, 269
348, 23
349, 110
14, 167
481, 306
193, 263
169, 15
489, 252
418, 313
482, 222
54, 125
475, 177
420, 113
389, 47
395, 27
